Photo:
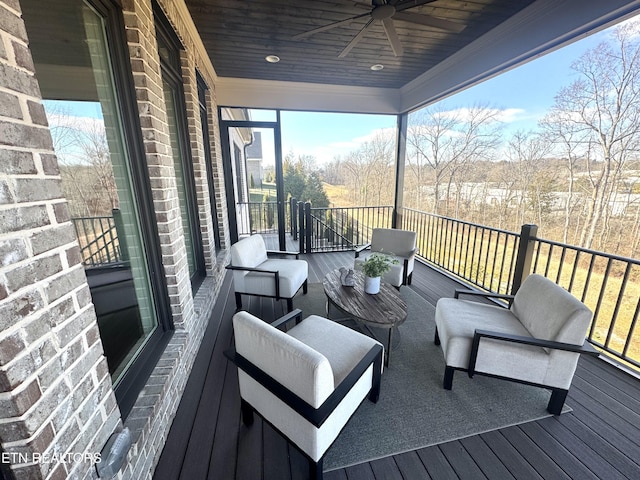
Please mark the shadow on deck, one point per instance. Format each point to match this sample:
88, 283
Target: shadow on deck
600, 438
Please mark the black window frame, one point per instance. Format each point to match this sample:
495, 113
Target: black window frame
208, 159
135, 377
171, 73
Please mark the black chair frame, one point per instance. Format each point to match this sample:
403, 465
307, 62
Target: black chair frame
558, 395
276, 278
315, 416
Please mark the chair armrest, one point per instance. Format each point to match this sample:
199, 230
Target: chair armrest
315, 416
275, 273
283, 252
292, 315
585, 348
475, 293
359, 250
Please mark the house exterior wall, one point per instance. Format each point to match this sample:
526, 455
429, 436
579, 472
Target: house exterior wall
55, 390
56, 395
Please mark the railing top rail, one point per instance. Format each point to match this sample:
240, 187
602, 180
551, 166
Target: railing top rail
464, 222
351, 208
96, 217
589, 251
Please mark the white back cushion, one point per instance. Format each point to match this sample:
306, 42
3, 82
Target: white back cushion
248, 252
549, 312
298, 367
391, 240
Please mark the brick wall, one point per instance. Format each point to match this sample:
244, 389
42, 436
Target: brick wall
55, 389
151, 417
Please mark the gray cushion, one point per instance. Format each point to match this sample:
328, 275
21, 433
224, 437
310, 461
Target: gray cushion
541, 309
251, 252
398, 244
310, 359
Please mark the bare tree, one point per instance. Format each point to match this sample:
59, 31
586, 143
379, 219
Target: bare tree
445, 140
526, 151
369, 170
84, 156
602, 108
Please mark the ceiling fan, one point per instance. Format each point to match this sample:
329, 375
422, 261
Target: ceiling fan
386, 11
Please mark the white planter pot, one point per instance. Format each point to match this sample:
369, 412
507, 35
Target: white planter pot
371, 285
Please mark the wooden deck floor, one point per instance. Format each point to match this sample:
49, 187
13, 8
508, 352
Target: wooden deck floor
599, 439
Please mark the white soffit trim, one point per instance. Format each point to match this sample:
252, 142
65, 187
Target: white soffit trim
544, 26
243, 92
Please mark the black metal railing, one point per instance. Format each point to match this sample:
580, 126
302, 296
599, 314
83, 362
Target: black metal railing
480, 255
498, 260
260, 217
98, 239
343, 228
608, 284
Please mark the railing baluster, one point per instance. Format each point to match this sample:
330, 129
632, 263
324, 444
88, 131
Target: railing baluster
504, 257
576, 262
614, 317
632, 330
495, 258
587, 281
560, 265
603, 288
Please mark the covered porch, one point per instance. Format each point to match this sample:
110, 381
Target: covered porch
598, 439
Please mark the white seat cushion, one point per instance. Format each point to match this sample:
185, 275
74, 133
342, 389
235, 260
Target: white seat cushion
342, 347
457, 321
251, 252
292, 274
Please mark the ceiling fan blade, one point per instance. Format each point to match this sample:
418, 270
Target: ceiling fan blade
328, 27
404, 5
430, 21
355, 39
392, 35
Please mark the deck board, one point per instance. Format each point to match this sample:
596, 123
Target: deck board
600, 438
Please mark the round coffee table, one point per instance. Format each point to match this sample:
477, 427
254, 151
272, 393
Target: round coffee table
383, 310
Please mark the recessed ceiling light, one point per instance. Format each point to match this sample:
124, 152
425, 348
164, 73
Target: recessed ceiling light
272, 58
376, 67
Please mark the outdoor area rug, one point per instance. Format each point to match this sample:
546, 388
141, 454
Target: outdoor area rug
414, 411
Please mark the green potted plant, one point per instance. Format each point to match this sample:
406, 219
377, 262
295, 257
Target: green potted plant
376, 265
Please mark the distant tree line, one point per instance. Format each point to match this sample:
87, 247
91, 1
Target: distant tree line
577, 175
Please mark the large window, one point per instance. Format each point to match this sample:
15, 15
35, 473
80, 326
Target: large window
83, 73
169, 50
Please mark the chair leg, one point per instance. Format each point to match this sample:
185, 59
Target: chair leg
238, 300
448, 377
289, 305
556, 402
410, 278
247, 413
374, 394
304, 287
315, 468
436, 338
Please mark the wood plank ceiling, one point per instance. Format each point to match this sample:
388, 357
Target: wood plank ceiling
239, 35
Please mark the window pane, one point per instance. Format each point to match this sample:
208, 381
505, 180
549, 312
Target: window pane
85, 120
181, 178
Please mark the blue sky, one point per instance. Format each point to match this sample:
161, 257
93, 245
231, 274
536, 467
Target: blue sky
529, 90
